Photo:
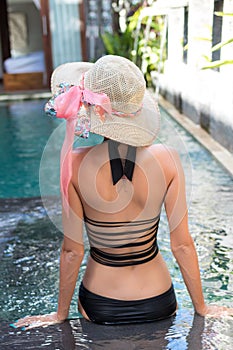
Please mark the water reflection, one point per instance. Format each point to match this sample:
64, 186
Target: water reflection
141, 336
181, 332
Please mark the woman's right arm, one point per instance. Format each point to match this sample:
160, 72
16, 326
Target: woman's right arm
182, 244
184, 251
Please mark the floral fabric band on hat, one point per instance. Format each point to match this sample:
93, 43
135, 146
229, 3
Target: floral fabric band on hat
122, 114
49, 107
72, 101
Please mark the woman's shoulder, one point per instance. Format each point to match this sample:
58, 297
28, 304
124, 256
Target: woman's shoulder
92, 151
91, 154
162, 150
167, 156
78, 154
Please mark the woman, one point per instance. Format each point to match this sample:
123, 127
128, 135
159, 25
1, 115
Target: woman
118, 188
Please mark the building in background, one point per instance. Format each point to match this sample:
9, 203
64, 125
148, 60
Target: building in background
38, 35
204, 95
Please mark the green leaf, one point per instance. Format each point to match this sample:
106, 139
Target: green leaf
207, 58
203, 39
220, 45
133, 20
117, 44
221, 14
108, 43
216, 64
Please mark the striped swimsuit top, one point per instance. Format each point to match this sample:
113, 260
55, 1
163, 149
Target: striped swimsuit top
124, 243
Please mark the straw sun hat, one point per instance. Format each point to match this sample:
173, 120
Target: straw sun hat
134, 118
108, 98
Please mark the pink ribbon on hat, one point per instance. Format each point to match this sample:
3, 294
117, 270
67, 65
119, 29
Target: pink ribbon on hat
67, 106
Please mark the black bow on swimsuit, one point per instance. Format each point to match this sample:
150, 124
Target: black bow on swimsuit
117, 168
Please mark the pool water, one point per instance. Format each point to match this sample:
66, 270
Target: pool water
30, 245
24, 130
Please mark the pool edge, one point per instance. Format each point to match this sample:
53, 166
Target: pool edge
24, 95
221, 154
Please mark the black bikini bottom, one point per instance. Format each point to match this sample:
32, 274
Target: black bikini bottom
105, 310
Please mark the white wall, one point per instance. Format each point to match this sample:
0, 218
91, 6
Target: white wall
206, 96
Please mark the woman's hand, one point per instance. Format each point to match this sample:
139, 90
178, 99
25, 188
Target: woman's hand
29, 322
216, 311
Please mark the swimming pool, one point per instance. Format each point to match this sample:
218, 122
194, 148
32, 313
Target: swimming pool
30, 245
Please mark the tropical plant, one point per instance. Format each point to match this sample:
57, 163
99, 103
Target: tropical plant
150, 55
121, 43
219, 63
136, 44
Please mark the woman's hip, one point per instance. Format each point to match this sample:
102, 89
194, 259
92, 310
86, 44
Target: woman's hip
104, 310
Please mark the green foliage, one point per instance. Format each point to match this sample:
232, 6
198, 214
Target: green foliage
148, 52
117, 44
223, 14
220, 45
219, 63
121, 43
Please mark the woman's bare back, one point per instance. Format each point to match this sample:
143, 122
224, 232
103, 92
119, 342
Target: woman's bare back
138, 200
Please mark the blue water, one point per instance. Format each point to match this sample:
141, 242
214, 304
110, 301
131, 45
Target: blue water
30, 244
24, 130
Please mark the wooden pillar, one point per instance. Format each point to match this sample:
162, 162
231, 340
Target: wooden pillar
83, 30
46, 37
4, 31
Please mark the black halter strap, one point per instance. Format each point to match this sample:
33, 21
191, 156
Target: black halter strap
117, 168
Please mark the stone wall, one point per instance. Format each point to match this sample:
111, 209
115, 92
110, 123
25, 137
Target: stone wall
205, 96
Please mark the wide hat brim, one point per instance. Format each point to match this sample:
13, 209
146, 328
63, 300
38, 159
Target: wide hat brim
138, 130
